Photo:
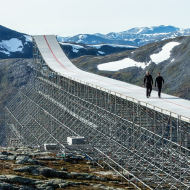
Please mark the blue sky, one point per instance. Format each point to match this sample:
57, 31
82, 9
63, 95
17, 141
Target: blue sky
71, 17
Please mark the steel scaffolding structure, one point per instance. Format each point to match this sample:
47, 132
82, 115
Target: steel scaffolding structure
146, 145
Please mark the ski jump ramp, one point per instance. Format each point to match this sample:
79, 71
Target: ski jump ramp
58, 62
146, 141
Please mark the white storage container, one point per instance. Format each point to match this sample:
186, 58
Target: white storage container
75, 140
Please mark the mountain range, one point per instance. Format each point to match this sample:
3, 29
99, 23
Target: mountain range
14, 44
138, 36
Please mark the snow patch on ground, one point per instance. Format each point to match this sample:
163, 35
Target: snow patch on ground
6, 52
28, 38
164, 54
101, 52
129, 39
122, 64
112, 45
75, 47
140, 31
81, 37
12, 45
75, 50
156, 34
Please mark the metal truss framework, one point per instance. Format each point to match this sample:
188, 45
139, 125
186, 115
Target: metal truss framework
148, 147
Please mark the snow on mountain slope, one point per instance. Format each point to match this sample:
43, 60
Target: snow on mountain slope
164, 54
73, 45
117, 65
5, 52
98, 46
157, 58
28, 38
62, 39
101, 52
14, 44
82, 38
76, 50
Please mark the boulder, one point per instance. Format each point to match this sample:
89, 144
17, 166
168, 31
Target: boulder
5, 186
41, 170
22, 187
6, 157
6, 153
9, 148
102, 186
37, 153
87, 176
48, 158
3, 157
55, 182
25, 159
44, 187
63, 185
16, 179
11, 157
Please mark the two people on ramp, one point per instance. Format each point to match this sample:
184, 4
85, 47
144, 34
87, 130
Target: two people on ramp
148, 83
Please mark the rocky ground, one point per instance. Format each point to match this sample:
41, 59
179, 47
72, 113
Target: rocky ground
28, 169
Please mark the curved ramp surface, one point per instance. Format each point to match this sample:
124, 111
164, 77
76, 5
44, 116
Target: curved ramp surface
58, 61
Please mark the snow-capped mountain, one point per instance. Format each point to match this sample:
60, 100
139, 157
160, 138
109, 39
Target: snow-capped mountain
135, 36
74, 50
18, 45
85, 39
14, 44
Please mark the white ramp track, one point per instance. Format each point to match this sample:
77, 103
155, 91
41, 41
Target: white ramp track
58, 61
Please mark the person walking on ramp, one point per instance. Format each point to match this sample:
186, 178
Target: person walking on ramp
148, 82
159, 80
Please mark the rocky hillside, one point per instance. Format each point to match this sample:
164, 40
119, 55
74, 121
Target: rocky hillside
14, 74
29, 169
14, 44
169, 57
138, 36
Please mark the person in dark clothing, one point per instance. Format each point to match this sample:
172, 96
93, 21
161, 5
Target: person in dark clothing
159, 80
148, 82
